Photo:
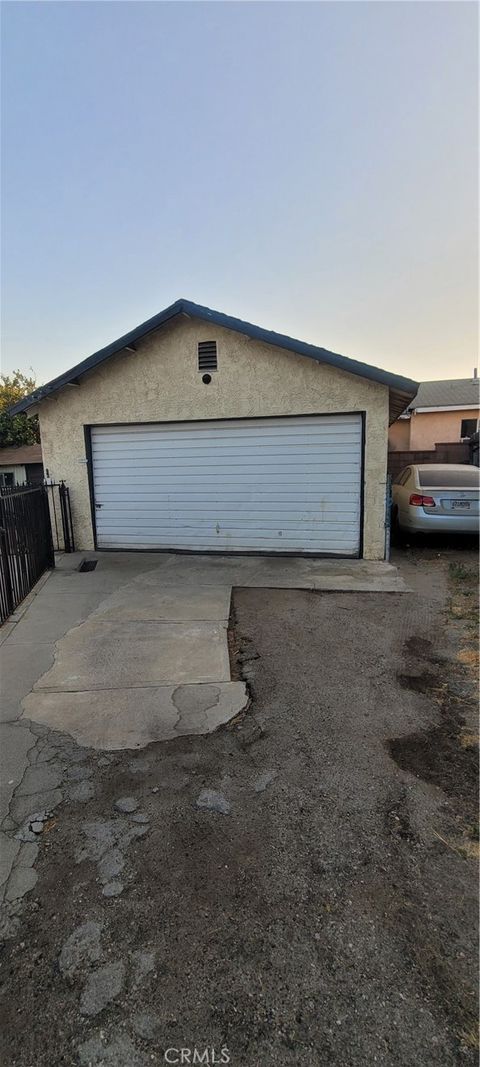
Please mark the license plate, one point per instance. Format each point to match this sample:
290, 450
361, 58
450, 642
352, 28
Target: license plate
460, 504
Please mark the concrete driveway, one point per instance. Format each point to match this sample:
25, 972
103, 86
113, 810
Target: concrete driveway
132, 652
148, 633
297, 886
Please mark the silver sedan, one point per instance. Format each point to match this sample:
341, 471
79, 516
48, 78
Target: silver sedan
437, 498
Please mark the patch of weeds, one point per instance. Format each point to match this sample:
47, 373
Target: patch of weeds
469, 1038
469, 850
460, 573
468, 656
468, 740
474, 831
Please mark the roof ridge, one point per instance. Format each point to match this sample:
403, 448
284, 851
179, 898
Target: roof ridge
406, 386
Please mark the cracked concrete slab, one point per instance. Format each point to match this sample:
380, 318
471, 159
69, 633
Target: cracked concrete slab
114, 654
51, 616
116, 719
21, 807
20, 667
21, 881
141, 656
39, 779
9, 849
175, 603
15, 744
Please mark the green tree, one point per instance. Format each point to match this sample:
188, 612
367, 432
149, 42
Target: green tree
16, 429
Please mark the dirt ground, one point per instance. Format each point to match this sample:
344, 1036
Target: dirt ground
326, 914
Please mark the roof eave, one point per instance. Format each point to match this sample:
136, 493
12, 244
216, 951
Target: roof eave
93, 361
402, 390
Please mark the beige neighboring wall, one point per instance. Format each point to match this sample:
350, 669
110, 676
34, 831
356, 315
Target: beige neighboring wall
399, 435
160, 382
428, 428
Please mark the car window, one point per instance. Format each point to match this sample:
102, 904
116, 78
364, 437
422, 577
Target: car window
403, 476
449, 479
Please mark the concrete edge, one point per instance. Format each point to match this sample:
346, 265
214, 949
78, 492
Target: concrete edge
10, 623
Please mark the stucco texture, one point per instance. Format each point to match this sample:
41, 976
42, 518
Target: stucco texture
428, 428
399, 435
161, 382
425, 429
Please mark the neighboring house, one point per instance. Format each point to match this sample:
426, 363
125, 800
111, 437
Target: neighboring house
20, 464
200, 432
441, 412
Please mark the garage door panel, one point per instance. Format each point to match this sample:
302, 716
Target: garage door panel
195, 431
244, 485
236, 465
345, 480
268, 444
230, 519
239, 544
172, 523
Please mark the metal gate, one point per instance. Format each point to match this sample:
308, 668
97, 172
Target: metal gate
34, 521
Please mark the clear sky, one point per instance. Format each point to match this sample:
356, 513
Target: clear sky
310, 167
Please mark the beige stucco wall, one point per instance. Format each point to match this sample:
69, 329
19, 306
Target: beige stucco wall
399, 435
434, 427
161, 383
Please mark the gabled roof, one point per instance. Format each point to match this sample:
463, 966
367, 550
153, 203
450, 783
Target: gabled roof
20, 454
455, 392
401, 389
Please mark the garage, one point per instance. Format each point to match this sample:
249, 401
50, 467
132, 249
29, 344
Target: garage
202, 432
291, 484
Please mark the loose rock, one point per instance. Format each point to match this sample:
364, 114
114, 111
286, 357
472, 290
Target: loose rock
120, 1052
110, 865
126, 804
146, 1026
81, 792
210, 800
101, 987
112, 889
143, 963
79, 773
264, 779
81, 948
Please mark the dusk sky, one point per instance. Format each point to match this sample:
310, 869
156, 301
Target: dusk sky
311, 167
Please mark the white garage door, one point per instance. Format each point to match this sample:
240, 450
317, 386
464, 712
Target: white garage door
243, 485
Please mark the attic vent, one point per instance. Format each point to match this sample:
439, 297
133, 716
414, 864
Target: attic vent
207, 355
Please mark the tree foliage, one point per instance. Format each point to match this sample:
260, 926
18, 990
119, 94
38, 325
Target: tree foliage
16, 429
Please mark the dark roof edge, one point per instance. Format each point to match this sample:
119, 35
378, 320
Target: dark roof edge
186, 307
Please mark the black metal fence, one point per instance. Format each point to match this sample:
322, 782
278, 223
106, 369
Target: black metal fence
60, 516
35, 520
26, 545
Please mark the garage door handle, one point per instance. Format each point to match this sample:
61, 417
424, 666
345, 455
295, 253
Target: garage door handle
99, 505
